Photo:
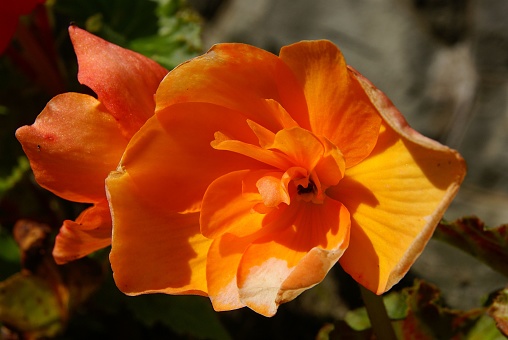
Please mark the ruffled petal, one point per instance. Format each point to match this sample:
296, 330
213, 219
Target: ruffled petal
396, 197
280, 266
337, 105
172, 159
221, 77
90, 232
72, 146
124, 81
154, 249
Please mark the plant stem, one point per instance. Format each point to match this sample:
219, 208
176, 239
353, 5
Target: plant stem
381, 324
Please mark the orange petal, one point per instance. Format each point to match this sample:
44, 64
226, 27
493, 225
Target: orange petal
396, 197
154, 249
172, 159
73, 141
280, 266
124, 81
228, 205
90, 232
338, 107
235, 76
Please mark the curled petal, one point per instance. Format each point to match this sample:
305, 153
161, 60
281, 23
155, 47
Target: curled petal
396, 198
280, 266
90, 232
124, 81
302, 146
73, 141
337, 105
154, 249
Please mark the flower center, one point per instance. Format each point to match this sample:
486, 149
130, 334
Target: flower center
310, 188
293, 155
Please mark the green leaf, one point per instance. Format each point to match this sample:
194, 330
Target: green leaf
9, 255
29, 305
489, 245
499, 311
167, 31
396, 307
16, 175
186, 315
418, 312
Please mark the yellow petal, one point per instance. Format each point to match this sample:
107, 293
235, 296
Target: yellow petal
396, 197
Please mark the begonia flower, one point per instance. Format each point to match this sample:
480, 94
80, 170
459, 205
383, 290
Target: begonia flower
10, 11
77, 139
259, 173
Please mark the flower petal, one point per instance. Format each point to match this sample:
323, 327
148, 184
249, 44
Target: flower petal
154, 249
338, 107
90, 232
221, 77
124, 81
228, 205
396, 197
180, 137
73, 141
280, 266
223, 259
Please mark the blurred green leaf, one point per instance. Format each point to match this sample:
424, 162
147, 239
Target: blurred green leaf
167, 31
396, 307
29, 305
499, 311
186, 315
16, 175
418, 312
489, 245
485, 329
9, 255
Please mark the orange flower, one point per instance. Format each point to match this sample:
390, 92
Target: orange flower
258, 173
77, 139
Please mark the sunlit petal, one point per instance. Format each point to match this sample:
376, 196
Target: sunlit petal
396, 197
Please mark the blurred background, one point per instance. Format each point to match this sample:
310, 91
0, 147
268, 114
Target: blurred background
444, 64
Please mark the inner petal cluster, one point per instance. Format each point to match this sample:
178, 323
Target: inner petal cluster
300, 165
